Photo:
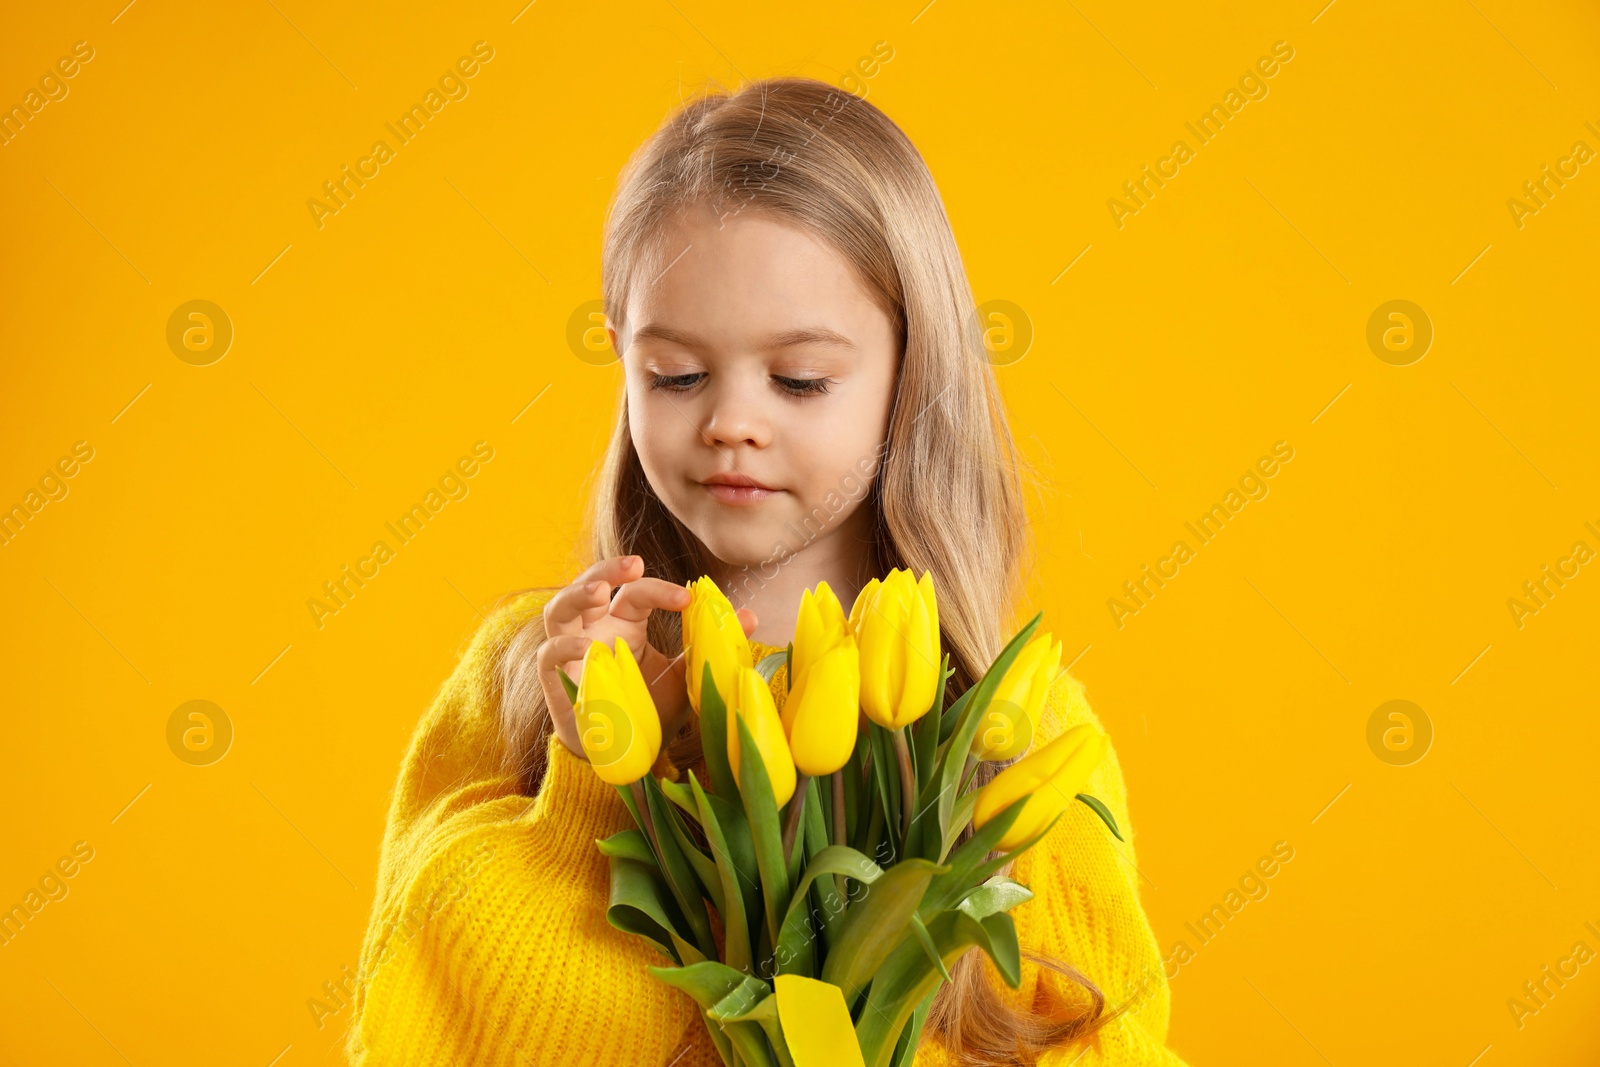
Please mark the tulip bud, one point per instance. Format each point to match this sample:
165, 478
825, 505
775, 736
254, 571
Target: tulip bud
752, 702
820, 625
823, 709
712, 634
1050, 778
1012, 718
897, 624
618, 725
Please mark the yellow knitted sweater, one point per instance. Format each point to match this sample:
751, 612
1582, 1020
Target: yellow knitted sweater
488, 942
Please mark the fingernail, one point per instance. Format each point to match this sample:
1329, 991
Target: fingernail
592, 587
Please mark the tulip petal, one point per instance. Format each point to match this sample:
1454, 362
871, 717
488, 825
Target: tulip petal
816, 1023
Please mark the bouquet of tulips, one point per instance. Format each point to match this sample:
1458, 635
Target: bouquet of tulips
814, 889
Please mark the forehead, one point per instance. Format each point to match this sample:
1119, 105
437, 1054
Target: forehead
748, 279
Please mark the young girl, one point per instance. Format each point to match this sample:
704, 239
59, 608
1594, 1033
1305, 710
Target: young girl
804, 401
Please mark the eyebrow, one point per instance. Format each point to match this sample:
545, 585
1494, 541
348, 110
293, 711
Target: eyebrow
819, 336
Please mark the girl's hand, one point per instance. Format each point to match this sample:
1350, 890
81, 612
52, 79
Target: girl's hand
585, 611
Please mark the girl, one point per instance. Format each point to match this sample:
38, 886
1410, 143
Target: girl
803, 401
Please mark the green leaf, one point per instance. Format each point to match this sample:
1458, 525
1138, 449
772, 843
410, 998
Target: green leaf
641, 904
707, 983
680, 875
798, 935
628, 844
680, 795
714, 738
735, 923
762, 813
829, 901
739, 1014
996, 895
705, 869
953, 755
911, 1034
929, 949
768, 665
1097, 806
952, 716
907, 977
963, 865
876, 923
569, 685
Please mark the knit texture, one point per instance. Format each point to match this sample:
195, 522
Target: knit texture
488, 942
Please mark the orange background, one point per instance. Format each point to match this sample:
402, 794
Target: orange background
1229, 313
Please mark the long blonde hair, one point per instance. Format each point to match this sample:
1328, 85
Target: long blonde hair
948, 494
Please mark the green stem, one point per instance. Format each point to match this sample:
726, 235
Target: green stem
967, 774
649, 827
841, 832
796, 807
908, 782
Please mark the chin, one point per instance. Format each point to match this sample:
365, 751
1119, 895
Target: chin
745, 548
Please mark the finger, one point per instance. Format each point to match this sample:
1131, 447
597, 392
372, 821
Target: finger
747, 619
584, 602
635, 601
559, 651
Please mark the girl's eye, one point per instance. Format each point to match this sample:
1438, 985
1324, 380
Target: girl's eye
674, 382
800, 387
805, 386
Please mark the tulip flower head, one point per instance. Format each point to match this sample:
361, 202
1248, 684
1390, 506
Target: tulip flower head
1050, 778
1011, 720
618, 726
751, 701
712, 634
897, 628
822, 713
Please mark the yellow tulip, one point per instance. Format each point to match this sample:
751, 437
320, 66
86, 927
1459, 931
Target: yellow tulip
1012, 718
1051, 778
712, 634
752, 702
897, 627
820, 626
816, 1023
822, 712
618, 726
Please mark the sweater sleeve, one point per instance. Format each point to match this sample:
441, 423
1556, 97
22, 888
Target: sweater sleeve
1085, 912
486, 897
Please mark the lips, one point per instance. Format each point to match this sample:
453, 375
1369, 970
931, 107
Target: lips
736, 479
731, 487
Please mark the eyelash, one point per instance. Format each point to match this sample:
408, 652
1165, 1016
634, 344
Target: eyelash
807, 387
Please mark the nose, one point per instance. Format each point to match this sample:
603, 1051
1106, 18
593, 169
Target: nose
735, 417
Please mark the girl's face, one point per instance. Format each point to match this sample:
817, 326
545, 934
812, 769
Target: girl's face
757, 353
